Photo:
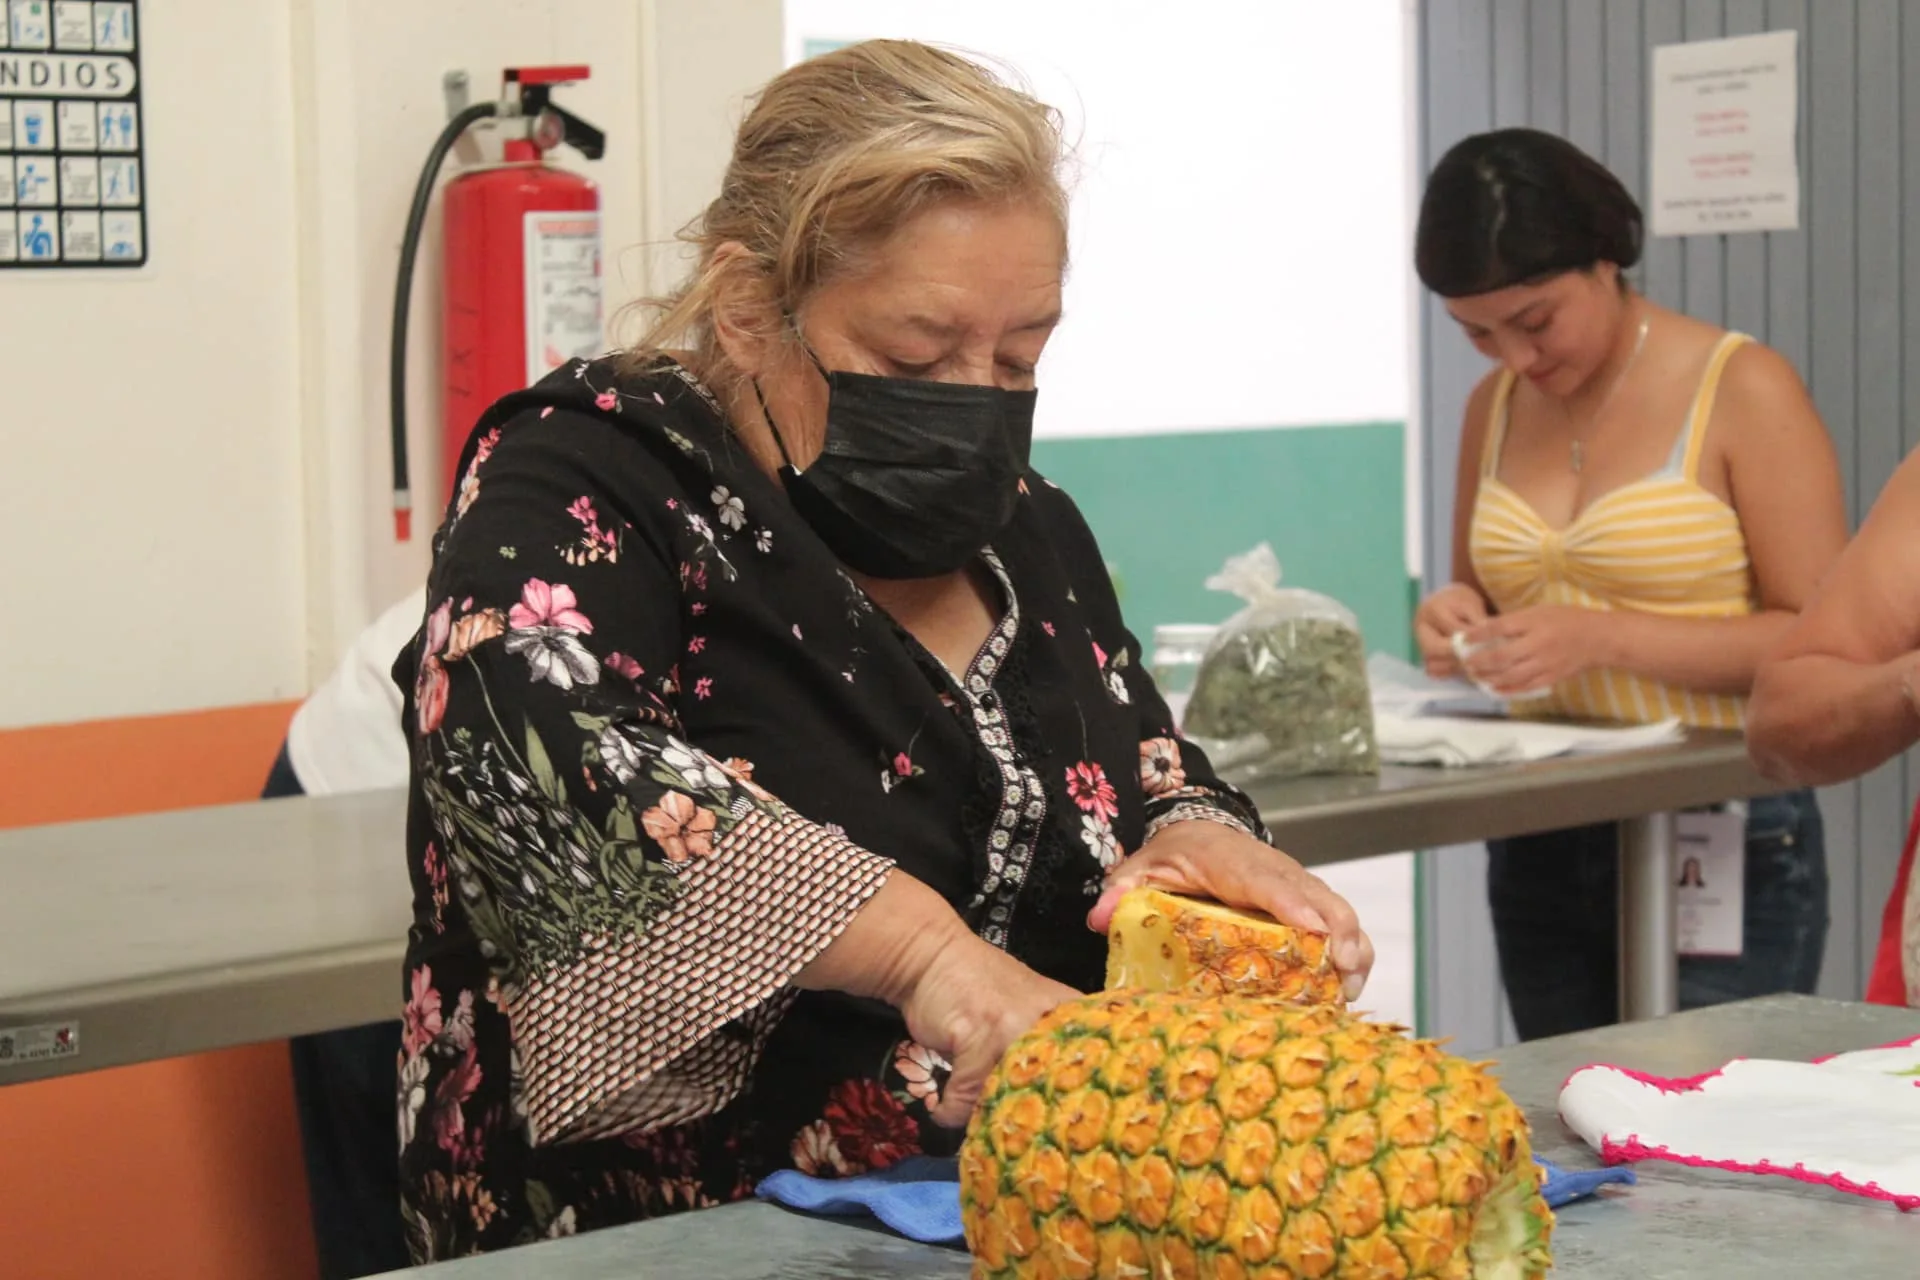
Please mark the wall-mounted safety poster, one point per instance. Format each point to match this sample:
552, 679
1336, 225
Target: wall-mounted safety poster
73, 176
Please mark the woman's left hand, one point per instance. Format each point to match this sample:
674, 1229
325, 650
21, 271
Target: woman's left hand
1531, 650
1212, 860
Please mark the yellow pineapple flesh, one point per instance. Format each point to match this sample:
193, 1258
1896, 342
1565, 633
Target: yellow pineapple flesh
1160, 941
1206, 1132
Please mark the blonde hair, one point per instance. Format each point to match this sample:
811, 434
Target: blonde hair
838, 152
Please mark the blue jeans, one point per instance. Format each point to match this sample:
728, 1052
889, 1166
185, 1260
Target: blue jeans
343, 1087
1555, 907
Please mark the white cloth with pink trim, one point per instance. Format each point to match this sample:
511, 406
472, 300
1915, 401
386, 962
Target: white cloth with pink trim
1851, 1121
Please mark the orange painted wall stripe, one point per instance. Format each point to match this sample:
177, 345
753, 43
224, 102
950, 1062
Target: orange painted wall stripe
146, 764
187, 1169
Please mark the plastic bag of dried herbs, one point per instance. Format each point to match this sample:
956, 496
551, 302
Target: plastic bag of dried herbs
1282, 690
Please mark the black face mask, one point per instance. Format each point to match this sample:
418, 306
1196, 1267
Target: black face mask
915, 478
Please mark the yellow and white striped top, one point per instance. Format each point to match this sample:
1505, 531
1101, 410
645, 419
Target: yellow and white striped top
1661, 545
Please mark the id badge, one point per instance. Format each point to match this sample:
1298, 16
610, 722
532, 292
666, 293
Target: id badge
1710, 868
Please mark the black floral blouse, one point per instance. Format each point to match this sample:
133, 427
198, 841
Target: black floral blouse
633, 646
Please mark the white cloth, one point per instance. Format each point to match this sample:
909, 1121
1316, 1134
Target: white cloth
1850, 1122
1400, 688
347, 735
1460, 741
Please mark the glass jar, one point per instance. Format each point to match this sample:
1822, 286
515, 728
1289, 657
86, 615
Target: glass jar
1178, 648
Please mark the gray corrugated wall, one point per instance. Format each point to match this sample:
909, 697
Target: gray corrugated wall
1831, 296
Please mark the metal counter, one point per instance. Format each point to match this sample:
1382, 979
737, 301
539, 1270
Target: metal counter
181, 932
1676, 1224
175, 933
1327, 819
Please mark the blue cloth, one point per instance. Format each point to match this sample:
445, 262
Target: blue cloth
1564, 1186
920, 1197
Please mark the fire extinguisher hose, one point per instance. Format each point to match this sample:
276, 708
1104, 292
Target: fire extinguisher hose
402, 300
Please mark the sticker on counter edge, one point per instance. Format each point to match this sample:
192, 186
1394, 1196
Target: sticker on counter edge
21, 1046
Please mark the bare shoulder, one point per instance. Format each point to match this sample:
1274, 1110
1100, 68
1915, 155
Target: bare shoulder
1758, 377
1766, 406
1479, 412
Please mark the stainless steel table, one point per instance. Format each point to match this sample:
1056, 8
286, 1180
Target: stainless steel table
1676, 1224
1327, 819
181, 932
176, 933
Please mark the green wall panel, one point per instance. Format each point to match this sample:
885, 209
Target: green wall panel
1168, 509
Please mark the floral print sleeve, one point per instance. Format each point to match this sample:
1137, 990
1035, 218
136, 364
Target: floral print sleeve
642, 903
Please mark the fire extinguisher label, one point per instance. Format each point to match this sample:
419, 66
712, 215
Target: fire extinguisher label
562, 289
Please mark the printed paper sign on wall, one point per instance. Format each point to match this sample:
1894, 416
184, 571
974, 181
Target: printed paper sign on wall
1723, 121
72, 153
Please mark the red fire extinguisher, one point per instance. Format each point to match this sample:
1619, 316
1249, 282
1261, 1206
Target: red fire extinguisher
522, 265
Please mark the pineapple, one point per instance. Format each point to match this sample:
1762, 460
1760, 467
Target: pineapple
1161, 941
1225, 1129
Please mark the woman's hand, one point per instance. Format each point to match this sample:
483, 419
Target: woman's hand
1454, 608
1212, 860
962, 997
970, 1003
1532, 650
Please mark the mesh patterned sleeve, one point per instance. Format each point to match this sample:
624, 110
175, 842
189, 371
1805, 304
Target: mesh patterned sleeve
643, 905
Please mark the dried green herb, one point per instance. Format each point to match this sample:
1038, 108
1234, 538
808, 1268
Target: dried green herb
1285, 699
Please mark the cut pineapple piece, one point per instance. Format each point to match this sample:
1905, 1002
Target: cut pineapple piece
1160, 941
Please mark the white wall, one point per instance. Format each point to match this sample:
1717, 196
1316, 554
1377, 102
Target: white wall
1240, 213
193, 497
150, 522
706, 59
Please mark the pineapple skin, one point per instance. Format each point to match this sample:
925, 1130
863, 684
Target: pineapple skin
1184, 1134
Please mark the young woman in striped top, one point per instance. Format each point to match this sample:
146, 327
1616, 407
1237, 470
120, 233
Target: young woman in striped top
1645, 501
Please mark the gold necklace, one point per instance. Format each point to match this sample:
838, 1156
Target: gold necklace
1576, 450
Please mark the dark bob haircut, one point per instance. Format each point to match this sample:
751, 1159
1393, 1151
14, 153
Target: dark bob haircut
1516, 206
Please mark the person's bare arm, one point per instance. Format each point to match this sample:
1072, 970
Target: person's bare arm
962, 997
1832, 700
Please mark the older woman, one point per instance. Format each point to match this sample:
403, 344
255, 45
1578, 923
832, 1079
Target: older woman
789, 547
1837, 696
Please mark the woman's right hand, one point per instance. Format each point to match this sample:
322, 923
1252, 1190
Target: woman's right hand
1452, 609
971, 1003
962, 997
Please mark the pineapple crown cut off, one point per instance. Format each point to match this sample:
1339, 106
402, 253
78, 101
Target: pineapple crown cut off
1218, 1112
